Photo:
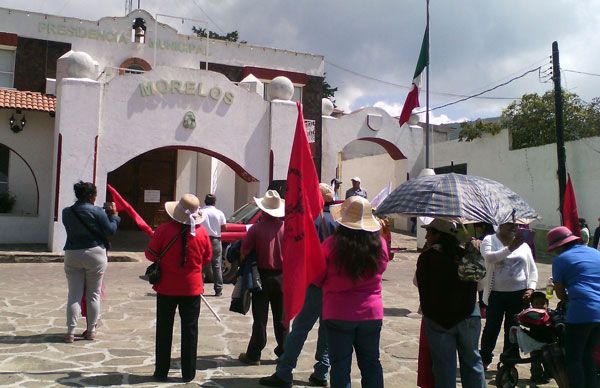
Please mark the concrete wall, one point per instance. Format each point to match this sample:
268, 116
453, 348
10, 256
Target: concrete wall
33, 144
388, 170
532, 172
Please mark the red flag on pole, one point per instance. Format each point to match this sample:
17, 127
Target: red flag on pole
122, 205
569, 210
302, 257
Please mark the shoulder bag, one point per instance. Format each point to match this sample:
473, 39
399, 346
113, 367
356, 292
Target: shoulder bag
152, 274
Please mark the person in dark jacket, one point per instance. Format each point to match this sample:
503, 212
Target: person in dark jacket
451, 318
85, 255
184, 248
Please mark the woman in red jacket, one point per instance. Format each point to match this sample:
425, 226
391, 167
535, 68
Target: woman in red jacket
184, 248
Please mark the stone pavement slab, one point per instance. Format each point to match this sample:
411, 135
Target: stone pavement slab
32, 324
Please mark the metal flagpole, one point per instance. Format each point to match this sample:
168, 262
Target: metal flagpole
427, 96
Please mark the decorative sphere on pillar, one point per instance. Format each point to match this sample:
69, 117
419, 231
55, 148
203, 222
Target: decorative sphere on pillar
413, 119
281, 88
79, 64
326, 107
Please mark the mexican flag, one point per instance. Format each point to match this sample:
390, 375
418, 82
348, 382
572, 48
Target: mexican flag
412, 99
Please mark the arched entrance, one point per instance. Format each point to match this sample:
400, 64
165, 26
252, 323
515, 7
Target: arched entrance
154, 177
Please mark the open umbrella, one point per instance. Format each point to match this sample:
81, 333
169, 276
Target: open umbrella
463, 198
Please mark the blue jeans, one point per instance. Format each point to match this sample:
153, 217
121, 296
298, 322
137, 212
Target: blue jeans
580, 342
363, 336
443, 345
501, 305
303, 323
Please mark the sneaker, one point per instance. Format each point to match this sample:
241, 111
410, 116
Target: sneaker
69, 338
274, 381
218, 293
314, 381
248, 361
90, 335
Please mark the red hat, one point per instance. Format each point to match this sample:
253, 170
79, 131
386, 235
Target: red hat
559, 236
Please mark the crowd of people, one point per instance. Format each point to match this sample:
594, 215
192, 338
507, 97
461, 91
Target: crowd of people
346, 298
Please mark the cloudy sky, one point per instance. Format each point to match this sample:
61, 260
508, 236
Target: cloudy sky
371, 47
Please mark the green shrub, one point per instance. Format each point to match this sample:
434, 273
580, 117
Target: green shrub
7, 202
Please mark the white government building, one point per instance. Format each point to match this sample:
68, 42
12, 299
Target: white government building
128, 101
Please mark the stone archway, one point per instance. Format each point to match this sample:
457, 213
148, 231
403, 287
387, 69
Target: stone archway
370, 124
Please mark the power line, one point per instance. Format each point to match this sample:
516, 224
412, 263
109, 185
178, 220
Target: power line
580, 72
209, 18
410, 87
485, 91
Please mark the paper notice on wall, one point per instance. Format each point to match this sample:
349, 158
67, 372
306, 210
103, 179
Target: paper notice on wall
309, 126
152, 196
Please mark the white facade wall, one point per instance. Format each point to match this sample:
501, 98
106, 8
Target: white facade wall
108, 41
532, 172
26, 224
388, 170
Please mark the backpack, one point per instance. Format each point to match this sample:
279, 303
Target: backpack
471, 267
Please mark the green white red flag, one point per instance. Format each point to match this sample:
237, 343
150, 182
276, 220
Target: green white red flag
412, 99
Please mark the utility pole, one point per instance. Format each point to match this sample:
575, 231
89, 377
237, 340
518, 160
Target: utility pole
560, 138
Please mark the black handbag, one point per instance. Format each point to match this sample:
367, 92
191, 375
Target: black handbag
96, 233
152, 274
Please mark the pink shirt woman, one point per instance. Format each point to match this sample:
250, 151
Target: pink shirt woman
356, 257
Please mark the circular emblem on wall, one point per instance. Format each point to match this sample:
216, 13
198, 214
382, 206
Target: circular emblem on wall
189, 120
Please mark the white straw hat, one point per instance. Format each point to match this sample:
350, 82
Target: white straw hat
271, 204
185, 210
355, 213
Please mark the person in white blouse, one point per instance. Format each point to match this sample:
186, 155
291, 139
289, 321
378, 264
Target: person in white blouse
510, 280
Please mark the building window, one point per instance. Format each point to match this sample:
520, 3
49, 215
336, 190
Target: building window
4, 156
134, 66
7, 67
296, 97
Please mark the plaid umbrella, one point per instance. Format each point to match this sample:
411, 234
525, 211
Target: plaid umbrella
458, 197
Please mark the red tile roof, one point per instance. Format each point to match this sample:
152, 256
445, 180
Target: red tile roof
17, 99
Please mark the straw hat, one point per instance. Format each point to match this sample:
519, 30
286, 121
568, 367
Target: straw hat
271, 204
560, 236
444, 226
326, 192
355, 213
185, 209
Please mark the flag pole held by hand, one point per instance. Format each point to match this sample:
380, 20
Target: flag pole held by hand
210, 308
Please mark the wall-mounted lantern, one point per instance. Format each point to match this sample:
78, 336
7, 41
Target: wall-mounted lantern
17, 125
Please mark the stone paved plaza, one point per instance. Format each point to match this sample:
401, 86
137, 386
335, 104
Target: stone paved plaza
32, 324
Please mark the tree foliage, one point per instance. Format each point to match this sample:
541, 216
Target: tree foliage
532, 120
232, 36
328, 90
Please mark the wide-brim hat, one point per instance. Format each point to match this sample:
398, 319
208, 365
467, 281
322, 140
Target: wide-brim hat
355, 213
271, 204
447, 227
560, 236
181, 211
335, 180
326, 192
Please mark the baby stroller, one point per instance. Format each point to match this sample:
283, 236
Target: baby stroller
539, 333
